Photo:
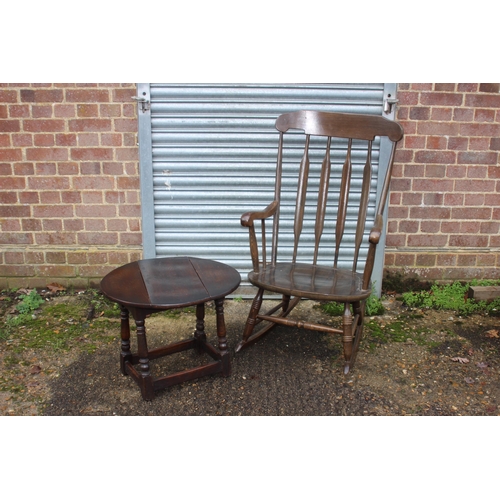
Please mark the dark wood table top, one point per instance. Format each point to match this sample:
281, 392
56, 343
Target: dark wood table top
170, 282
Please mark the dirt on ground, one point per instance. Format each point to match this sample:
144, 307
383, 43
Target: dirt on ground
411, 362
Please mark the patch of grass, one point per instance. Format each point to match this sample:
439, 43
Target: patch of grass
453, 297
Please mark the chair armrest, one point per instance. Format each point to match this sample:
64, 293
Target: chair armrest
248, 217
376, 231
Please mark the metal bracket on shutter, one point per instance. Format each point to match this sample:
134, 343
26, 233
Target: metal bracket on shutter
146, 104
389, 103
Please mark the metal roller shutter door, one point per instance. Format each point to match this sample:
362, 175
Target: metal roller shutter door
208, 154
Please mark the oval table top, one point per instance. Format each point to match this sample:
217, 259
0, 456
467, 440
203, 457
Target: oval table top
170, 282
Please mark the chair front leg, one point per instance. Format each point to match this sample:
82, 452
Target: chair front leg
347, 336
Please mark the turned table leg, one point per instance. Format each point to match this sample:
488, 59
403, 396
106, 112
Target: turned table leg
126, 354
221, 335
199, 334
146, 382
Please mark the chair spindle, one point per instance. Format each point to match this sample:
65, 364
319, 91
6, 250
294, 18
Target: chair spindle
301, 197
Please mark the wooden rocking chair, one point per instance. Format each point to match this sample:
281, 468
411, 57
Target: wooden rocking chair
332, 210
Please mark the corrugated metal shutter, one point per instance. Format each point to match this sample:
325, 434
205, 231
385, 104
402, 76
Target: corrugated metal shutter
212, 157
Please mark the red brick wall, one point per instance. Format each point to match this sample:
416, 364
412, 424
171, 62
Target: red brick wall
444, 214
69, 183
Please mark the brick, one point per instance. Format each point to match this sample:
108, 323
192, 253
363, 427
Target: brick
31, 225
92, 238
73, 225
67, 168
468, 241
48, 183
480, 129
90, 125
15, 239
14, 257
448, 87
19, 111
128, 239
50, 197
467, 87
17, 270
112, 168
39, 95
95, 211
94, 225
127, 154
64, 110
55, 257
438, 142
477, 172
35, 257
479, 144
408, 98
55, 271
433, 199
22, 140
471, 213
8, 95
87, 95
5, 140
489, 87
65, 139
435, 185
85, 154
129, 210
123, 95
44, 211
476, 185
435, 171
446, 259
10, 154
425, 260
114, 140
430, 226
41, 111
437, 128
490, 227
88, 182
29, 197
42, 140
427, 240
77, 257
468, 260
46, 154
125, 125
415, 142
405, 259
484, 115
456, 171
24, 168
87, 110
477, 158
49, 125
110, 110
420, 113
10, 126
442, 114
473, 199
92, 197
88, 139
412, 198
483, 100
408, 226
90, 168
13, 183
441, 99
463, 114
55, 238
435, 157
431, 213
8, 198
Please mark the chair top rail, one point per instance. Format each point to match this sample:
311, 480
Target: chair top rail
347, 125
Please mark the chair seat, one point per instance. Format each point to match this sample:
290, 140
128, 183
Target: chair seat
311, 281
